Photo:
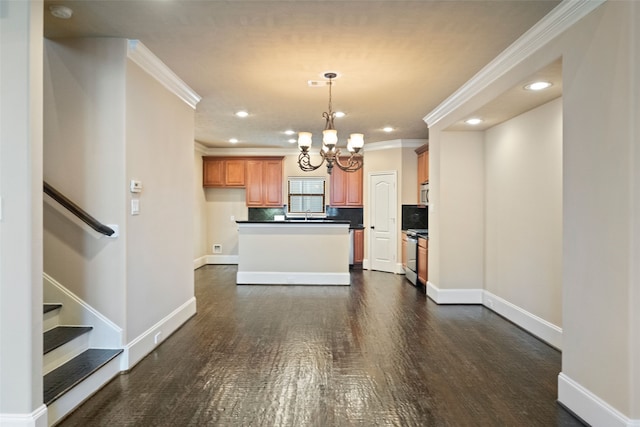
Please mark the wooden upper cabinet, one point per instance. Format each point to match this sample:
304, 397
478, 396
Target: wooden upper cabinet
223, 172
235, 172
423, 164
346, 188
264, 182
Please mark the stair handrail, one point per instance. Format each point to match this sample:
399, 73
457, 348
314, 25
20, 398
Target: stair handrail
77, 211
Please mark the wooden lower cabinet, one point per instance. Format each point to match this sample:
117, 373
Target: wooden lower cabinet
423, 260
358, 247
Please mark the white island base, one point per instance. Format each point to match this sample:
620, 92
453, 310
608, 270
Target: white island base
293, 253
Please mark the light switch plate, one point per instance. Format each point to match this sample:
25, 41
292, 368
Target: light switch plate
135, 207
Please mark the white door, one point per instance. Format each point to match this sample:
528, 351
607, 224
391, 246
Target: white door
382, 221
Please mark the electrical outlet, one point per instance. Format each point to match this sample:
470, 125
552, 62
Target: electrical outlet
217, 248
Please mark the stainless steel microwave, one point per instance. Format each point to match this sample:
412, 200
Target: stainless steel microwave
424, 194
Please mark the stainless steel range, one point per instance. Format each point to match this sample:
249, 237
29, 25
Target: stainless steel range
411, 272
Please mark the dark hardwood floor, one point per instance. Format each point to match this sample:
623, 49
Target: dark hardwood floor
377, 353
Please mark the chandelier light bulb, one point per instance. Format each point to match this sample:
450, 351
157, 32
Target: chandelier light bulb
330, 137
357, 140
304, 140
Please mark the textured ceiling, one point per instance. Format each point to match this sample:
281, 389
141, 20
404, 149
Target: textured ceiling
396, 60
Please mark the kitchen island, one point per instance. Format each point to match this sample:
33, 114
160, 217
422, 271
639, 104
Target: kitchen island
293, 252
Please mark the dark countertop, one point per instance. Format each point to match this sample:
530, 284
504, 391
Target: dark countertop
302, 221
298, 221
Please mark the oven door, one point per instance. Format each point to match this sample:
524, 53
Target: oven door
411, 271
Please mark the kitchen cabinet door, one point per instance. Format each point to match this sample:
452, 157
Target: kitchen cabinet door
358, 247
264, 182
254, 183
423, 260
272, 184
346, 188
223, 172
234, 173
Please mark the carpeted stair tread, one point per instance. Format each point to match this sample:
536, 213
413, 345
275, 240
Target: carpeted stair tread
61, 335
64, 378
50, 307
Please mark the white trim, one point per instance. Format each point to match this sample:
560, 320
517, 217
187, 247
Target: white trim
37, 418
365, 264
454, 296
394, 143
199, 262
222, 259
590, 407
537, 326
551, 26
150, 63
399, 268
248, 151
546, 331
144, 343
75, 311
200, 147
292, 278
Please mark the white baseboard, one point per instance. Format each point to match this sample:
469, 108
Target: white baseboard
546, 331
75, 311
365, 264
146, 342
590, 407
222, 259
292, 278
37, 418
454, 296
199, 262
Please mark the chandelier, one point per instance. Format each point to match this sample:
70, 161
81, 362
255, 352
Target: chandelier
329, 151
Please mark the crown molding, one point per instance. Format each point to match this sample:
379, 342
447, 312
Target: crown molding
241, 151
395, 143
552, 25
200, 147
150, 63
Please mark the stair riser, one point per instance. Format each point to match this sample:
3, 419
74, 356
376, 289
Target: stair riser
74, 397
50, 320
64, 353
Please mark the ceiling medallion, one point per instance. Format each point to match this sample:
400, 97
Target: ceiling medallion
329, 151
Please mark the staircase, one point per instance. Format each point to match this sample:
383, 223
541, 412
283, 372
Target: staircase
72, 370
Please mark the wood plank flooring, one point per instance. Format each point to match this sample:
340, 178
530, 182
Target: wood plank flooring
377, 353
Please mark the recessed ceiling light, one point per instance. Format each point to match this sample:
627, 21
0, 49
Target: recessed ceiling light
340, 114
388, 129
474, 121
293, 141
233, 141
538, 85
242, 114
59, 11
289, 132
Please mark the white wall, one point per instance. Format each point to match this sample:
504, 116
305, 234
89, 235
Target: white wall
523, 199
84, 152
159, 152
460, 203
600, 378
21, 215
200, 214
